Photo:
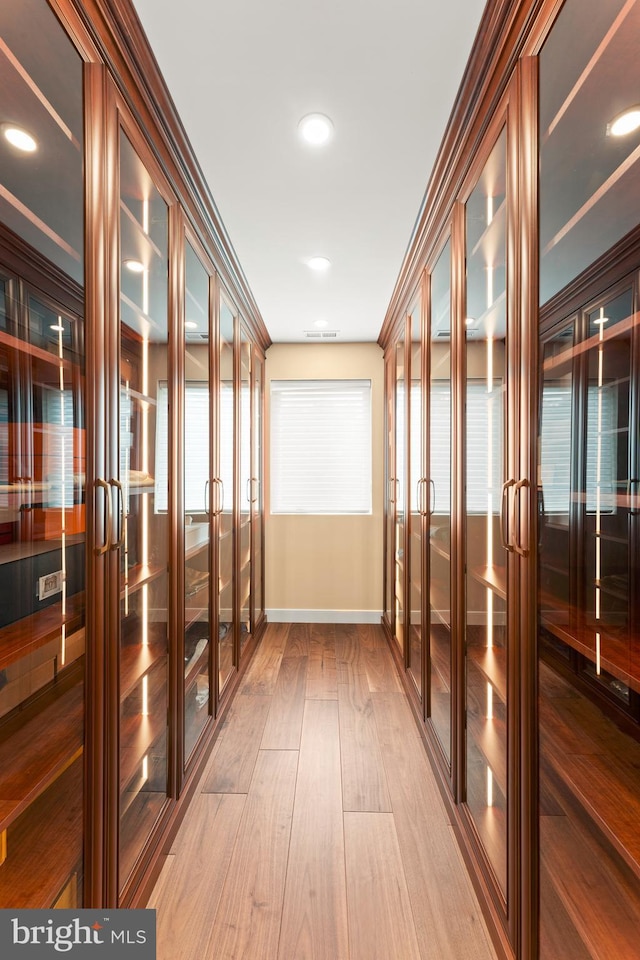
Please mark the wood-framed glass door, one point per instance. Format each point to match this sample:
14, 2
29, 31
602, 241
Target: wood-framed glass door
489, 443
142, 463
417, 502
257, 494
246, 484
198, 496
440, 499
225, 482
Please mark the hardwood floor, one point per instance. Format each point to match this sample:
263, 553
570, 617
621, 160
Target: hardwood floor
318, 832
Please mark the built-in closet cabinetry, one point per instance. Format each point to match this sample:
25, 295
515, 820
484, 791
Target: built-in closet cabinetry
512, 539
131, 527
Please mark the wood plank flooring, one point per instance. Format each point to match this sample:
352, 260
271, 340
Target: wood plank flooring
318, 832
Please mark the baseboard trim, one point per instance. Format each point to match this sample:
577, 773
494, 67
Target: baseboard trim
324, 616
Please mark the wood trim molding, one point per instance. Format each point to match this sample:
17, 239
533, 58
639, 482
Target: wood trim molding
500, 40
118, 35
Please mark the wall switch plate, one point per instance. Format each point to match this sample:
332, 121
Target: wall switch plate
50, 584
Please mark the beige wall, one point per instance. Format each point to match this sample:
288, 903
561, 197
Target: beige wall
327, 567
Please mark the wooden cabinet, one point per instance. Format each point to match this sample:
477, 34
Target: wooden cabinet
131, 391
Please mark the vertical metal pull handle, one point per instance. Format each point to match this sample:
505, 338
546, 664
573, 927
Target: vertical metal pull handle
257, 483
248, 489
633, 511
432, 488
108, 520
518, 546
392, 488
120, 541
504, 534
206, 497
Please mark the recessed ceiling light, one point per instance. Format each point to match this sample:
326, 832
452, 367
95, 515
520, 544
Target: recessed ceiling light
600, 320
190, 325
469, 322
625, 122
318, 263
135, 266
315, 129
58, 327
321, 323
19, 138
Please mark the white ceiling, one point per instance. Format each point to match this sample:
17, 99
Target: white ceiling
242, 73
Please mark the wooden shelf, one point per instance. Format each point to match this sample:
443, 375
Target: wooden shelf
137, 736
195, 667
492, 577
490, 738
31, 762
619, 654
140, 574
24, 636
492, 663
44, 847
37, 353
137, 660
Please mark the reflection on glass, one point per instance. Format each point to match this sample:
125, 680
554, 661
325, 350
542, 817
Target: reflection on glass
225, 520
588, 487
399, 493
142, 526
485, 579
246, 485
439, 495
197, 504
416, 459
42, 471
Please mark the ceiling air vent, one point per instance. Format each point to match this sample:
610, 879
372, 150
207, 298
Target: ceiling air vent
321, 334
312, 334
443, 333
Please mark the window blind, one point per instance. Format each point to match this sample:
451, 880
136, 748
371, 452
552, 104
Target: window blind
321, 446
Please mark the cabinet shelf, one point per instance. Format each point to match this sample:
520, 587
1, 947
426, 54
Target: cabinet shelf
45, 844
492, 577
139, 575
440, 550
198, 664
137, 736
37, 353
137, 660
490, 738
24, 636
492, 663
619, 655
31, 762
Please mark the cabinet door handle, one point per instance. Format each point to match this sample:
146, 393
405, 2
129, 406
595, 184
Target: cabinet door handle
504, 534
221, 489
518, 546
432, 488
108, 519
206, 497
391, 490
249, 490
257, 483
633, 511
120, 541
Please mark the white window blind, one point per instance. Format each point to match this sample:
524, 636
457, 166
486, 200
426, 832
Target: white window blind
321, 446
57, 446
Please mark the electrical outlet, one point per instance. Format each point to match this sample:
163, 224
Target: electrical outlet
49, 585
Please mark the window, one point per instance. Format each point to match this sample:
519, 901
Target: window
321, 446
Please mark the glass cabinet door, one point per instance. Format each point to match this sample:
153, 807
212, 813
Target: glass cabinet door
417, 498
246, 494
142, 528
43, 447
225, 485
485, 472
439, 495
257, 509
399, 497
389, 493
197, 501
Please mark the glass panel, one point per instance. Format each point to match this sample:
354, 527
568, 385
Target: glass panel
588, 607
226, 473
42, 469
399, 492
389, 573
197, 492
245, 487
485, 579
416, 461
143, 527
439, 494
256, 490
